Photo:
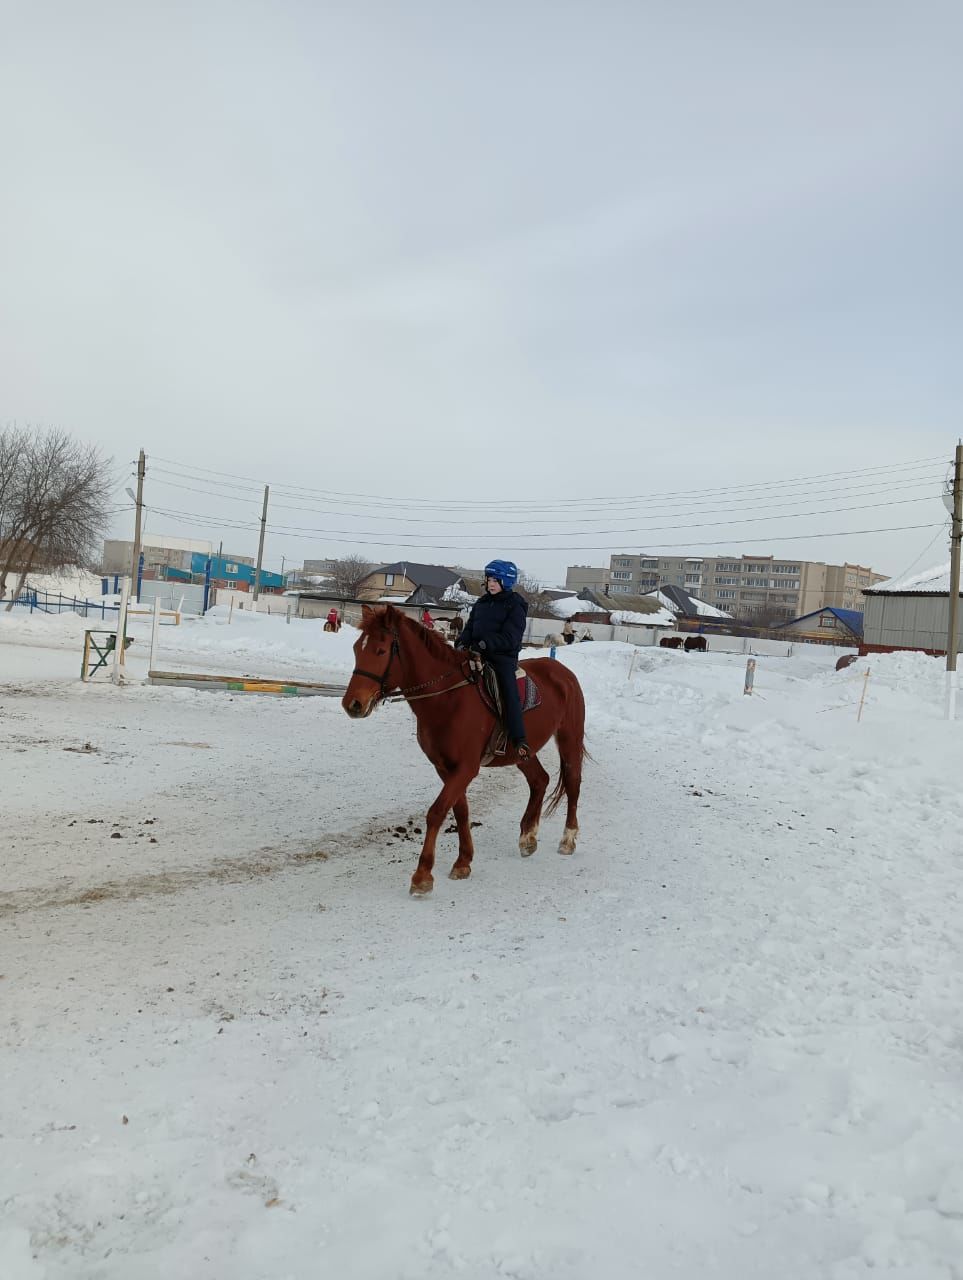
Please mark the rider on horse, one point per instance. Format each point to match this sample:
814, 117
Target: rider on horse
495, 630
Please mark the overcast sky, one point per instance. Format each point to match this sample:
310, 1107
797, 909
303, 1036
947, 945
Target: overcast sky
506, 251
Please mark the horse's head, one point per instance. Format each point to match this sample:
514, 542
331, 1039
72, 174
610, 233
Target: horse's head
376, 669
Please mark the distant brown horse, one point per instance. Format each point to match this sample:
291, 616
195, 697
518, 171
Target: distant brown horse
699, 644
396, 655
670, 642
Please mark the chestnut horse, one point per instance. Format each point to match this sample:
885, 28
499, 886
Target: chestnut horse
395, 655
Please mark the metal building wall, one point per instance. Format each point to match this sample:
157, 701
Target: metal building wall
907, 622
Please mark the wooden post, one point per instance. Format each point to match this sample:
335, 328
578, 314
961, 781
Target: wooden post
117, 675
862, 696
155, 625
750, 676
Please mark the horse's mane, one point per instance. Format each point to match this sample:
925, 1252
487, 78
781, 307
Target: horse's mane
432, 641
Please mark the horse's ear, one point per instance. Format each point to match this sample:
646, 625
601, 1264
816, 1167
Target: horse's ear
366, 611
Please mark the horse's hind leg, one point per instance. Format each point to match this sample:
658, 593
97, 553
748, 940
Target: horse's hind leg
466, 848
571, 751
537, 780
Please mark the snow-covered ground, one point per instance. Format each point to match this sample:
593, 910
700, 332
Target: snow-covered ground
722, 1040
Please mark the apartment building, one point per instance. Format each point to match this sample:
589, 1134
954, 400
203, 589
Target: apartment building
159, 551
582, 577
746, 586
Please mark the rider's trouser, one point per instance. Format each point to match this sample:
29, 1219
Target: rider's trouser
504, 666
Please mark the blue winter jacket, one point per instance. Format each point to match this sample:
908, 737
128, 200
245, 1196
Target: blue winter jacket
496, 624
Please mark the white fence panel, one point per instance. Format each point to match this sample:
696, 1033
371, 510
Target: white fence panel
170, 595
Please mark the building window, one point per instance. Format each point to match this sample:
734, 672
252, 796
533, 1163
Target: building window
827, 620
791, 569
650, 564
389, 579
693, 579
621, 575
725, 595
727, 582
757, 582
624, 564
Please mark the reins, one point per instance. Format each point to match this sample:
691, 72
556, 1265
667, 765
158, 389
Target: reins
410, 694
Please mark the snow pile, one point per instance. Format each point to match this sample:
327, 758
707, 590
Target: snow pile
936, 579
658, 618
78, 583
571, 605
455, 595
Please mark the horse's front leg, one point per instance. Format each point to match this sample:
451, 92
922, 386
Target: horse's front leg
466, 847
453, 791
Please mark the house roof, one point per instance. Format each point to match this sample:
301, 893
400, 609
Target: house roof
850, 618
617, 603
932, 582
684, 602
422, 575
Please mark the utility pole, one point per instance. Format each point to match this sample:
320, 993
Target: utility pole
260, 546
952, 640
135, 562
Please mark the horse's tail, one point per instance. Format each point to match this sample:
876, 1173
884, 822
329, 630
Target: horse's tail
572, 751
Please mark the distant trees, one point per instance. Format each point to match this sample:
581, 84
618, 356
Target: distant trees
539, 604
347, 576
54, 502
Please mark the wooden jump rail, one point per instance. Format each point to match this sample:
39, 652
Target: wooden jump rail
244, 684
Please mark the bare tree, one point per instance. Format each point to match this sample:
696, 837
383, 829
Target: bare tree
348, 576
56, 494
768, 616
539, 603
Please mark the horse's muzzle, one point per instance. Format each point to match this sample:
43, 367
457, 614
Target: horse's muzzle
357, 709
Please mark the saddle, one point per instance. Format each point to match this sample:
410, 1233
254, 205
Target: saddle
528, 696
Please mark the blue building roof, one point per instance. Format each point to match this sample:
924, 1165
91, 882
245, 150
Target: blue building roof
850, 618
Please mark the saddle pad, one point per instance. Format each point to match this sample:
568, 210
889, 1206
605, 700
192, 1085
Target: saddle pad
528, 693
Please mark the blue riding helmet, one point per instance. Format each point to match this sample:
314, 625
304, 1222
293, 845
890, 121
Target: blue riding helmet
504, 571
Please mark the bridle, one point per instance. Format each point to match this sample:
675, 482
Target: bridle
410, 694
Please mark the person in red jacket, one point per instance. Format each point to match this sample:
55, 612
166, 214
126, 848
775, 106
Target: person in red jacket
333, 621
427, 620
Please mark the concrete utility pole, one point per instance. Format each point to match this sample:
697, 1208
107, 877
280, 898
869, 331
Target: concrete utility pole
952, 639
260, 546
135, 563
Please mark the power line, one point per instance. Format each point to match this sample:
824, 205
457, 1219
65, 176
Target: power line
562, 503
861, 490
611, 533
311, 534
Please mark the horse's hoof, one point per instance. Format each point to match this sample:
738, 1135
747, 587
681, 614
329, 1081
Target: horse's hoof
567, 843
527, 845
421, 888
460, 871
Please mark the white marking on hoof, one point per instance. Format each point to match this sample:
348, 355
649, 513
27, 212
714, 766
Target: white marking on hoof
567, 843
528, 843
421, 890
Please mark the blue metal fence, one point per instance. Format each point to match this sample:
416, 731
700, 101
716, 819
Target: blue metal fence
48, 602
